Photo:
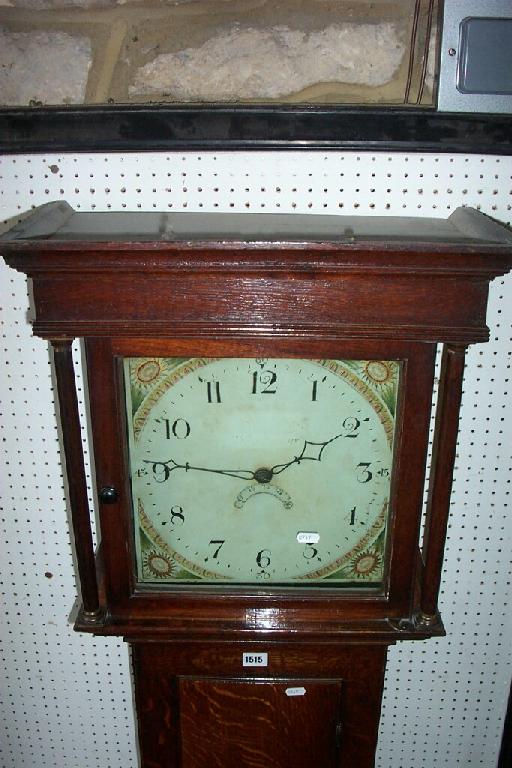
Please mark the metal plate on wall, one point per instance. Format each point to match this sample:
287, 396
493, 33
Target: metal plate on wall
476, 57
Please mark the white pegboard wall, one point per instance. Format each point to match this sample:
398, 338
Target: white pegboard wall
365, 183
66, 699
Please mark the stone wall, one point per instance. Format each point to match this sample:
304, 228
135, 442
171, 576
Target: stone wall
285, 51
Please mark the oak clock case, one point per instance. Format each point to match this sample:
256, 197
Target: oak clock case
260, 393
260, 478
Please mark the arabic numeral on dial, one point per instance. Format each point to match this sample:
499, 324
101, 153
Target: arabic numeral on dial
179, 428
351, 424
364, 475
263, 558
314, 388
177, 515
263, 574
217, 543
161, 471
353, 515
310, 552
213, 391
263, 382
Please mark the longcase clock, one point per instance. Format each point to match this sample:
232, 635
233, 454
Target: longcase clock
260, 392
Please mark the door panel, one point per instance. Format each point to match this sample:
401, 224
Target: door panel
259, 723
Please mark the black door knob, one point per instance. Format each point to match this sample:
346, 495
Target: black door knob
108, 494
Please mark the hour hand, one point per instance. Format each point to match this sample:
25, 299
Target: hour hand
162, 470
310, 452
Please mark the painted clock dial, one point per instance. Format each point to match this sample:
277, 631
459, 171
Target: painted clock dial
264, 471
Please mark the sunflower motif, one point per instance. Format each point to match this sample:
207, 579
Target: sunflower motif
365, 564
145, 373
158, 565
380, 373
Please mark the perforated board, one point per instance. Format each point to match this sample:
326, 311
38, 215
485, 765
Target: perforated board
66, 699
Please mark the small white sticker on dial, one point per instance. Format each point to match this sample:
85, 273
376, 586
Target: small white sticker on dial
255, 659
308, 537
297, 691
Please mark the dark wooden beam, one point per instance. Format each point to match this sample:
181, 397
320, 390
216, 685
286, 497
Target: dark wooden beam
250, 127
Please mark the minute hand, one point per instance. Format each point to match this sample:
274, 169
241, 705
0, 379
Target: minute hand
164, 469
310, 452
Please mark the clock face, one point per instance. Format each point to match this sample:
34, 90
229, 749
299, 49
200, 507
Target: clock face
262, 471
